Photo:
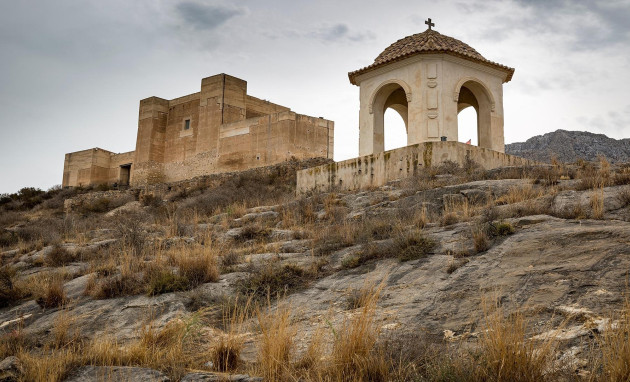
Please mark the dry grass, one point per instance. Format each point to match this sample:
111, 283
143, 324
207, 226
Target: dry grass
353, 355
614, 345
518, 194
481, 241
506, 353
597, 203
276, 342
10, 293
172, 349
225, 352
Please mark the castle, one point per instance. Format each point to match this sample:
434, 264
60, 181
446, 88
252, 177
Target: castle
428, 78
218, 129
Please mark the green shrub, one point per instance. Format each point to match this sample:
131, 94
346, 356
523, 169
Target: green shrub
165, 281
502, 229
413, 247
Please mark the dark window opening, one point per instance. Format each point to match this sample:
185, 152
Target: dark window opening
187, 124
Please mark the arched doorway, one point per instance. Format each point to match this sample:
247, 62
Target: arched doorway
390, 98
474, 112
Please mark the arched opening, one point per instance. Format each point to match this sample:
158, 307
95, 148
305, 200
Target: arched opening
391, 99
396, 128
474, 108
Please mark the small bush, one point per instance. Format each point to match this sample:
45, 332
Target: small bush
225, 354
405, 247
53, 296
449, 218
8, 238
197, 267
99, 205
501, 229
114, 286
481, 241
59, 256
252, 232
276, 343
9, 292
414, 247
273, 279
161, 280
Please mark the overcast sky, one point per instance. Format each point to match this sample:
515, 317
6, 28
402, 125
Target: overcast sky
72, 72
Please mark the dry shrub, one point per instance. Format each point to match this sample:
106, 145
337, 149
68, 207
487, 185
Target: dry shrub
225, 353
547, 175
160, 280
335, 237
593, 176
253, 232
405, 246
129, 228
506, 354
59, 256
455, 264
597, 203
353, 356
273, 279
300, 212
449, 218
53, 295
275, 345
481, 241
197, 264
614, 345
517, 194
10, 293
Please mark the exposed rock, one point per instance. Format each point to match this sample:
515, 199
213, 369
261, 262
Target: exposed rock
116, 373
11, 369
212, 377
134, 206
296, 246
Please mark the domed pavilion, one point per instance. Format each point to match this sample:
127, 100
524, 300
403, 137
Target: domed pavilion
428, 78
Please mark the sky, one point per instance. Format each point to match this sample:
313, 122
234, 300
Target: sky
72, 72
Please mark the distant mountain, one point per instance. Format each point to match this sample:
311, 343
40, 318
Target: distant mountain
569, 146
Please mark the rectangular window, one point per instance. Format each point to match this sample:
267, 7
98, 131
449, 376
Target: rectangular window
187, 124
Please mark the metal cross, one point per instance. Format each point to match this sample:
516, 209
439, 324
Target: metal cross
429, 23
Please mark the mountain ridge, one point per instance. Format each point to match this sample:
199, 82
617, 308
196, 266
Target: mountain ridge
569, 146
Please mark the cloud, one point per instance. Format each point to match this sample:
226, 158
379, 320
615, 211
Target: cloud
585, 24
340, 32
206, 16
613, 123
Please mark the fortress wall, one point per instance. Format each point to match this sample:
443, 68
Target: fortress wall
378, 169
180, 144
257, 107
117, 160
257, 142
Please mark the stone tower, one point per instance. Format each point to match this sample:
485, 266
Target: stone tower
428, 78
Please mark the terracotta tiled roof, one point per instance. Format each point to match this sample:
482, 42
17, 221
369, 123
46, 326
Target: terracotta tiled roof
427, 42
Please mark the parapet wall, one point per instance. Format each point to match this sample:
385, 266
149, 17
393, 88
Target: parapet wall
378, 169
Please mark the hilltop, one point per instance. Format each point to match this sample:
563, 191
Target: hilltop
570, 146
444, 276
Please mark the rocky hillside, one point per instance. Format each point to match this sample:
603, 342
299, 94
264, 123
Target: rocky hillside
511, 274
569, 146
